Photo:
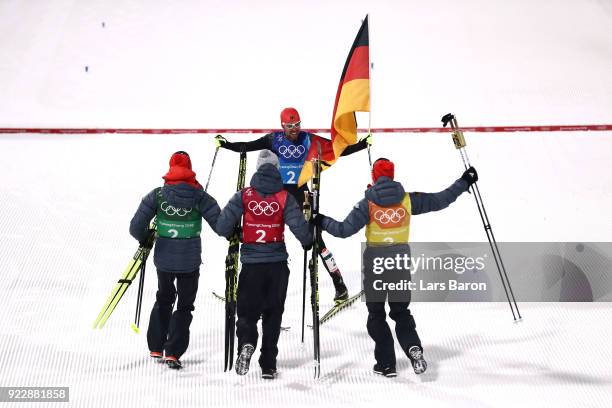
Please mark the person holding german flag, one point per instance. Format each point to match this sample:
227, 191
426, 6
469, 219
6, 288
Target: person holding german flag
293, 148
296, 148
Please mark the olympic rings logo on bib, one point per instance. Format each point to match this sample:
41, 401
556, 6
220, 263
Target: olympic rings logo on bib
390, 215
263, 207
291, 151
170, 210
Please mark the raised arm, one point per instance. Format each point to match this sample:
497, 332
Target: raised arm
264, 142
357, 147
354, 221
427, 202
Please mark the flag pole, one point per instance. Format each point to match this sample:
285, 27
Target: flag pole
369, 90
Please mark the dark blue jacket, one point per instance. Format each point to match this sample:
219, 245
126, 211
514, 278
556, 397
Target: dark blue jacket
175, 255
387, 192
266, 181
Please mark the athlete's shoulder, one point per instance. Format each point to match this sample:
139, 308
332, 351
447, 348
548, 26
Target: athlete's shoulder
276, 139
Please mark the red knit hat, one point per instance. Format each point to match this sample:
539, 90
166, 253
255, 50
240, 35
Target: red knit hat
383, 167
180, 170
289, 115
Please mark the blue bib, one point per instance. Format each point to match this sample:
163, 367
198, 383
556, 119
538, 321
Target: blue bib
291, 156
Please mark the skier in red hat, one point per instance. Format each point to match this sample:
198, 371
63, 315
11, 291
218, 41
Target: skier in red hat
179, 207
385, 211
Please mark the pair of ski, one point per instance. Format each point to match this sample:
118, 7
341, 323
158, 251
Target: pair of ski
231, 278
136, 264
338, 307
311, 211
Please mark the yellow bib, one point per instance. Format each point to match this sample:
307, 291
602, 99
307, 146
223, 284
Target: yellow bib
389, 224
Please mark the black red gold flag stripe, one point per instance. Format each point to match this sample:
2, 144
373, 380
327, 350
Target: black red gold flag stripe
353, 95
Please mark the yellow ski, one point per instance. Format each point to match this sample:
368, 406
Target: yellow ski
130, 273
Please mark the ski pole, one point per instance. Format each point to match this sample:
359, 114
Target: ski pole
136, 324
212, 166
459, 141
144, 256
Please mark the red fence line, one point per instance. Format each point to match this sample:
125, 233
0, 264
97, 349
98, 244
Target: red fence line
484, 129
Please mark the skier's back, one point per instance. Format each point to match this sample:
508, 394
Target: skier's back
179, 207
385, 211
265, 208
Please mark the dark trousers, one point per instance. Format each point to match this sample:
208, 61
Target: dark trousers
170, 331
262, 289
379, 331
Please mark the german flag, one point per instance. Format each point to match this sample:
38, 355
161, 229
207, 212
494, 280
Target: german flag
353, 92
353, 95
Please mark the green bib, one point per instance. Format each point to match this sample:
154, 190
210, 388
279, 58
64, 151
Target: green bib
177, 223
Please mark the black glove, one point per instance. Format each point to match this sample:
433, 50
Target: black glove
317, 219
470, 176
147, 242
307, 247
220, 141
237, 229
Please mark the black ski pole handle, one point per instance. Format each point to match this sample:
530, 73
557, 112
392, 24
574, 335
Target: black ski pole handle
447, 118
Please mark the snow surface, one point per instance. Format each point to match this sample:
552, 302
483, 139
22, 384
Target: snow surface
67, 199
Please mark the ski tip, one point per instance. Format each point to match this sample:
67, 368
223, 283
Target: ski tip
135, 328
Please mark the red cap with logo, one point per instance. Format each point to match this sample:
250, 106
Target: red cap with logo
289, 115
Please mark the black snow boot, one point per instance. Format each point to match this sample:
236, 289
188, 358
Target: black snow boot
244, 359
268, 373
341, 290
173, 362
419, 365
388, 372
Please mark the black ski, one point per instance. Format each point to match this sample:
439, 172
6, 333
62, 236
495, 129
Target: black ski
307, 215
231, 277
314, 265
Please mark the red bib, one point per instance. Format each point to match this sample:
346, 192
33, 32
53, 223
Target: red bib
263, 220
